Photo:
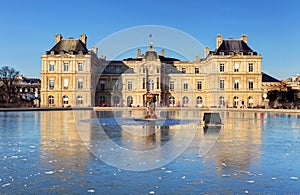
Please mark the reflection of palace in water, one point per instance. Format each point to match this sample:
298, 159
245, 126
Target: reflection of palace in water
241, 134
148, 135
61, 144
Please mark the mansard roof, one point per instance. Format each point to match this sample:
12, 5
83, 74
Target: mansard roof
235, 46
162, 59
268, 78
70, 45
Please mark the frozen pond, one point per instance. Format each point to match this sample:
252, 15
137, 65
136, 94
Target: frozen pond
68, 152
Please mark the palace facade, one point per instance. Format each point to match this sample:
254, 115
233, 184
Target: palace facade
229, 76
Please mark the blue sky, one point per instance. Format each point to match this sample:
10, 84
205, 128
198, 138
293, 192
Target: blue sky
28, 27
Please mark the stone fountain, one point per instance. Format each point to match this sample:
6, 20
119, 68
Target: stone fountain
150, 103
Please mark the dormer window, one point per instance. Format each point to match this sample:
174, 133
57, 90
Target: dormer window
221, 53
52, 52
62, 52
80, 52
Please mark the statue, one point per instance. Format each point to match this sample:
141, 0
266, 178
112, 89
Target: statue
150, 112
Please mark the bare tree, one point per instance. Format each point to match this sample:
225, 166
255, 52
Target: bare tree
7, 77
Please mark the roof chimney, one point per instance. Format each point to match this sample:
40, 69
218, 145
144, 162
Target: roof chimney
219, 40
138, 53
103, 57
58, 38
163, 52
95, 50
206, 51
83, 38
244, 38
198, 59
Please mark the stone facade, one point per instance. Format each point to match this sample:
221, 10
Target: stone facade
68, 74
229, 76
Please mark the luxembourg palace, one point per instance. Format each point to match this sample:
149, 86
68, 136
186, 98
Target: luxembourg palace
228, 76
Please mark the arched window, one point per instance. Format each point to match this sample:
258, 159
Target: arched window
250, 101
101, 100
236, 101
116, 100
222, 101
65, 99
129, 101
79, 99
171, 101
185, 101
51, 99
199, 101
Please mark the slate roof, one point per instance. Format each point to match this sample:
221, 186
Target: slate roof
162, 59
268, 78
70, 45
233, 45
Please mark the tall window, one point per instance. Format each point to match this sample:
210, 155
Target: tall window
196, 70
222, 68
236, 84
236, 67
171, 101
185, 101
129, 101
222, 101
199, 101
117, 86
172, 85
222, 84
65, 99
116, 100
183, 70
51, 67
129, 85
51, 99
157, 70
102, 85
66, 66
79, 99
199, 85
185, 86
80, 66
250, 67
80, 84
236, 101
151, 85
250, 85
66, 83
102, 100
144, 83
157, 83
51, 83
250, 101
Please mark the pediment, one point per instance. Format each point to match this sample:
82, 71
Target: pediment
235, 56
67, 56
